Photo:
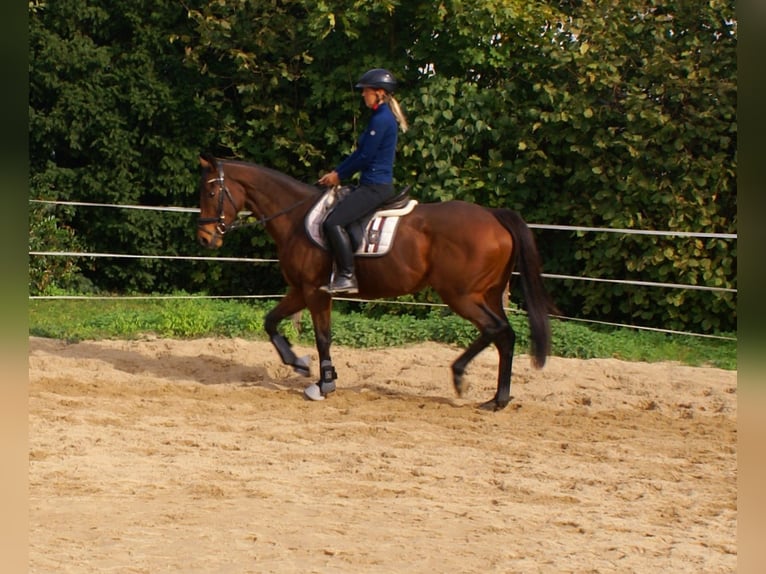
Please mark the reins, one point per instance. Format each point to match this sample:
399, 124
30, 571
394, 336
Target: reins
242, 216
245, 215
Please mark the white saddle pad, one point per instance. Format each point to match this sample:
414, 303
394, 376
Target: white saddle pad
378, 234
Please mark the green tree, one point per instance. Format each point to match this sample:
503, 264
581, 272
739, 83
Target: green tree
634, 125
114, 118
614, 114
600, 114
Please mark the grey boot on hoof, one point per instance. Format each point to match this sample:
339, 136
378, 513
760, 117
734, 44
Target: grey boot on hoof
325, 386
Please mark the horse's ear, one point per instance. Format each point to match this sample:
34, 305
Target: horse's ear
207, 161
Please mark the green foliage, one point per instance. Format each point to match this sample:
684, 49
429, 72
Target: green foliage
51, 274
636, 119
618, 114
114, 119
76, 320
419, 305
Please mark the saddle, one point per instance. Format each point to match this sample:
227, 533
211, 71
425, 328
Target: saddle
370, 236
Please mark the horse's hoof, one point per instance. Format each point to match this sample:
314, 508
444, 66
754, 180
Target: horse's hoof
493, 405
313, 393
488, 406
301, 366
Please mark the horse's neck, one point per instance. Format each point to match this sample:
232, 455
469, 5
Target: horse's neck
282, 202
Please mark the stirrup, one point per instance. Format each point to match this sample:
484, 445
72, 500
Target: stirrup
341, 285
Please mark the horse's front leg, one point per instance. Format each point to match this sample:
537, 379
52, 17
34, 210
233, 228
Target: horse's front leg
290, 304
320, 307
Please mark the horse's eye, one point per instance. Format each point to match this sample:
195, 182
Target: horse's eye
211, 193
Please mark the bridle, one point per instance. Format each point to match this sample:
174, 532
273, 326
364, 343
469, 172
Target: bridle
223, 193
220, 220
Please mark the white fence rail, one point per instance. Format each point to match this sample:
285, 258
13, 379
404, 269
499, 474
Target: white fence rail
652, 284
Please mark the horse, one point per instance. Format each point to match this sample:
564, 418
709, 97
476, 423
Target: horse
464, 251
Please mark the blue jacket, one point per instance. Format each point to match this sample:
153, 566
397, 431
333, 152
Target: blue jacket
374, 155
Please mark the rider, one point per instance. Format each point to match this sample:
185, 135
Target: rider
374, 159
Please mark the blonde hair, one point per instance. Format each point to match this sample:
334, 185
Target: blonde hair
398, 113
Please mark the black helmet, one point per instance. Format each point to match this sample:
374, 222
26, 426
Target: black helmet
378, 78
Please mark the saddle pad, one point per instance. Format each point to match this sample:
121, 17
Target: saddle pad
378, 234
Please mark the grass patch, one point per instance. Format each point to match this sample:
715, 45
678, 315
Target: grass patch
91, 319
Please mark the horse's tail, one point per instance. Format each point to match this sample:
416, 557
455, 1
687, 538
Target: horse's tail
538, 302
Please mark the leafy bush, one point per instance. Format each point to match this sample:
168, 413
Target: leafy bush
52, 274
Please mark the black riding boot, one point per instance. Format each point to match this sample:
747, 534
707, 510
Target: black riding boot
343, 281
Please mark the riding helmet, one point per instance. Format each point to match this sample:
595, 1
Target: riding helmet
378, 78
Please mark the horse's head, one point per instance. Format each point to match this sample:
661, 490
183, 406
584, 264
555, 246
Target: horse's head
220, 200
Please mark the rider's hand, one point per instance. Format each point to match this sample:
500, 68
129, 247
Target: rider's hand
329, 179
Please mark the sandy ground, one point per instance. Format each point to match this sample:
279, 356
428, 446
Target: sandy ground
202, 456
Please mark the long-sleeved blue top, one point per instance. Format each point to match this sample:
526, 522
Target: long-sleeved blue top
374, 155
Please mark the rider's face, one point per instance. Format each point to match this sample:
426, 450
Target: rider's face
371, 96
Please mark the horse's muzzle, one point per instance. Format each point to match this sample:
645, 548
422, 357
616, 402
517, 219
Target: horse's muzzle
209, 238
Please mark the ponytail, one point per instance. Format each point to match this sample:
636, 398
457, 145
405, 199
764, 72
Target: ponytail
397, 111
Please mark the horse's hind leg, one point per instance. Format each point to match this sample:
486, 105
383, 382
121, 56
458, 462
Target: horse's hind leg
290, 304
494, 328
460, 364
505, 341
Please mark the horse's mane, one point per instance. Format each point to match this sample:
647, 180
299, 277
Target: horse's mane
279, 176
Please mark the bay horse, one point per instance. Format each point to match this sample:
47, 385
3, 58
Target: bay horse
464, 251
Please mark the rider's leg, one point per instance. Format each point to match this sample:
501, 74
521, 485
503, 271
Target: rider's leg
361, 201
344, 280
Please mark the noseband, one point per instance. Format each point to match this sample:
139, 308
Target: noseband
223, 192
